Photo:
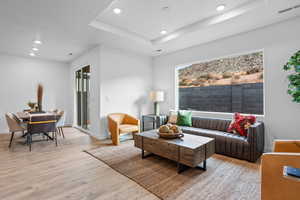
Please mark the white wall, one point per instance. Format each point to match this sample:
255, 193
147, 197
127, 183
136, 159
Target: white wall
120, 82
279, 42
125, 81
19, 78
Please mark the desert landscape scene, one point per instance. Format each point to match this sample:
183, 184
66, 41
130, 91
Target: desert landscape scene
227, 71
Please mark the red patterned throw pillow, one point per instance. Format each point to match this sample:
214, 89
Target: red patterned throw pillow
240, 124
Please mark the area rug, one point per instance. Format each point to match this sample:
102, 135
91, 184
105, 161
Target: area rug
225, 179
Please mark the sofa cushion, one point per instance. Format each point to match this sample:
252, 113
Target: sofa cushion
225, 143
172, 119
212, 124
201, 131
184, 118
240, 124
210, 133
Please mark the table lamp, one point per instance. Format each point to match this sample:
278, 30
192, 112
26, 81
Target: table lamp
156, 97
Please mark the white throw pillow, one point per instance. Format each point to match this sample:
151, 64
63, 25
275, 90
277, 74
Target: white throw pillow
172, 117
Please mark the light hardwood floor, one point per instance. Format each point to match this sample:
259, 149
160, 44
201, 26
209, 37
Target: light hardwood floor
63, 172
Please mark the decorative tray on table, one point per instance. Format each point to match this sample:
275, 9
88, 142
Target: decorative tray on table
170, 131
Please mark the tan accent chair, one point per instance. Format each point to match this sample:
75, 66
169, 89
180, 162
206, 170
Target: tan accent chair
14, 125
274, 185
119, 123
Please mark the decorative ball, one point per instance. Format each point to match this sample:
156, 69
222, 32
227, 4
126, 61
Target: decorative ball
164, 129
176, 129
169, 125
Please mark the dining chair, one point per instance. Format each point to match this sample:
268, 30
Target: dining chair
61, 122
42, 124
14, 125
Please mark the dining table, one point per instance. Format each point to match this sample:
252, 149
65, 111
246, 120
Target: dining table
25, 115
25, 118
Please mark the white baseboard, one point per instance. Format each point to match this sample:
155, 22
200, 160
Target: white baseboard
90, 133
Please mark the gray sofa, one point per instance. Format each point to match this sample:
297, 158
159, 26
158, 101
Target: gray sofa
248, 148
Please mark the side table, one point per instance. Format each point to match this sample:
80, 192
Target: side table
157, 120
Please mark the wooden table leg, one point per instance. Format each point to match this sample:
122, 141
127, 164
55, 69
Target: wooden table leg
181, 167
143, 154
203, 167
143, 123
146, 156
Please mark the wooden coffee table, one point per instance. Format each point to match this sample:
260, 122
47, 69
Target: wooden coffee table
189, 151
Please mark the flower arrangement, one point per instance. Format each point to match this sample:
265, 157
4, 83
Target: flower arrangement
31, 105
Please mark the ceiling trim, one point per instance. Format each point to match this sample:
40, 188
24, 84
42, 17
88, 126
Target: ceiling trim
179, 32
210, 21
119, 31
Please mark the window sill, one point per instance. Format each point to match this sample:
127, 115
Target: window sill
222, 115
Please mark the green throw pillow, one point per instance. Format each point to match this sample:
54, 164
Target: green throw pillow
184, 118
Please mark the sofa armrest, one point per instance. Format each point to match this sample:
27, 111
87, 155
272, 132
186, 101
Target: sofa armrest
256, 133
256, 140
287, 146
272, 177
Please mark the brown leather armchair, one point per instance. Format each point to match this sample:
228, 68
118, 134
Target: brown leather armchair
274, 186
119, 123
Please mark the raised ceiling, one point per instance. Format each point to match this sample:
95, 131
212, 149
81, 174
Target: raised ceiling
74, 26
185, 21
148, 18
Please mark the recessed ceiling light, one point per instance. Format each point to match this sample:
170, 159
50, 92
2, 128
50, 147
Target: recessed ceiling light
37, 42
165, 8
35, 49
32, 54
221, 7
117, 11
163, 32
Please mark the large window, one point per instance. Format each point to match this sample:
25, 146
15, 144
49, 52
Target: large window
233, 84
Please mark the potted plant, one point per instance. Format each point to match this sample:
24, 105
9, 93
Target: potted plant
293, 65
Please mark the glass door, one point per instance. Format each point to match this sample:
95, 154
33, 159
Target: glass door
83, 97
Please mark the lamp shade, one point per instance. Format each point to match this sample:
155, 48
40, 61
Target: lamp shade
157, 96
